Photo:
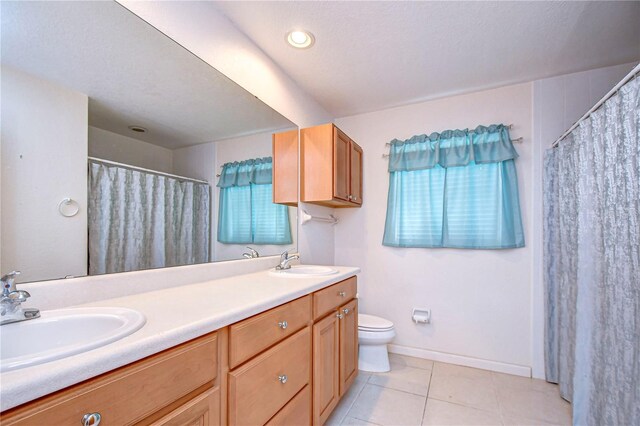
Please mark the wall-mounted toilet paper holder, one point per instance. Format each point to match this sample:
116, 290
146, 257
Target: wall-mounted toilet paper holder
421, 316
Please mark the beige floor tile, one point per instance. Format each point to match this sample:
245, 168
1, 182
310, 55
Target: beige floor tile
404, 378
463, 385
350, 421
543, 406
385, 406
341, 410
509, 381
510, 421
459, 370
410, 361
445, 413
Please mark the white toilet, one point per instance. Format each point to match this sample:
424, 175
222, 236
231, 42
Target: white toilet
373, 335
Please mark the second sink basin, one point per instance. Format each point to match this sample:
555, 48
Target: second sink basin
304, 271
64, 332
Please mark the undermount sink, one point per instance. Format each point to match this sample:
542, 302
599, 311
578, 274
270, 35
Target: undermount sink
60, 333
304, 271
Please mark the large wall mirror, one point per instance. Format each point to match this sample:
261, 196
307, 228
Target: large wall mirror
123, 151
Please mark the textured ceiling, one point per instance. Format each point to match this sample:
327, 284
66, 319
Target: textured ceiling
374, 55
132, 73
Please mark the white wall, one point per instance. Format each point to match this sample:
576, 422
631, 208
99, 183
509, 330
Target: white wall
206, 32
205, 162
486, 305
480, 299
42, 124
557, 103
123, 149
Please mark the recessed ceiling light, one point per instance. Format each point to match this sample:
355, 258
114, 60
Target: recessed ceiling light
300, 39
138, 129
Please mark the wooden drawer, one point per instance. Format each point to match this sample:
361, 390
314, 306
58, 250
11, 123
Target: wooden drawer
330, 298
253, 335
203, 410
255, 391
296, 412
128, 394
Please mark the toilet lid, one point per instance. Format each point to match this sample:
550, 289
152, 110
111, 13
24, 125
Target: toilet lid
371, 322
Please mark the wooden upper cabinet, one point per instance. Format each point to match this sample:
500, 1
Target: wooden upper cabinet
341, 175
355, 156
285, 168
331, 167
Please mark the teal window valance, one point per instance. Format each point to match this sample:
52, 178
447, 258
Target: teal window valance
456, 189
246, 213
243, 173
452, 148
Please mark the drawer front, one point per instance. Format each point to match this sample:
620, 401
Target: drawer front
129, 394
203, 410
252, 336
330, 298
296, 412
258, 389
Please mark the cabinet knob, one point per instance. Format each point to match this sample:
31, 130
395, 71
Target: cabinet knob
92, 419
346, 311
342, 293
351, 197
283, 325
340, 316
282, 378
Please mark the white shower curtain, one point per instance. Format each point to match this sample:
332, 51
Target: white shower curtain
592, 263
140, 220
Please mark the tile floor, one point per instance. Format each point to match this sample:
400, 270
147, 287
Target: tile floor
422, 392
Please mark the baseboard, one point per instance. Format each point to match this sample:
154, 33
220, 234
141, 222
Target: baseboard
500, 367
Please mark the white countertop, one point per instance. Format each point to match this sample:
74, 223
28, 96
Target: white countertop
174, 315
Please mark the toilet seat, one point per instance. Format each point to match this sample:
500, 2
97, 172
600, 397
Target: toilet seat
372, 323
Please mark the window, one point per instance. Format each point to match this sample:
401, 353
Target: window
246, 214
454, 189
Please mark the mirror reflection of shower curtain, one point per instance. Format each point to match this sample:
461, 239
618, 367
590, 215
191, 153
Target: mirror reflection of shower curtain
140, 220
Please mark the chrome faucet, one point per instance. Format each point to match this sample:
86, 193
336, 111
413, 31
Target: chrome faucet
11, 309
285, 260
253, 254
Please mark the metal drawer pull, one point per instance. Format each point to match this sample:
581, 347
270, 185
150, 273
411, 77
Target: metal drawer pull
340, 316
342, 293
346, 311
282, 378
283, 325
92, 419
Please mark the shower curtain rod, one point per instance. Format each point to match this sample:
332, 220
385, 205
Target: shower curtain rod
633, 74
141, 169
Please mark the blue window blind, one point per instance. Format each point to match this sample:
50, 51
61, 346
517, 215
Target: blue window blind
454, 189
246, 214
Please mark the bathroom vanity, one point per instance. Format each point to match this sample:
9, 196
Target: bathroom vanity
283, 354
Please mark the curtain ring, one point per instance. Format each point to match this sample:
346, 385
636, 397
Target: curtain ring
68, 212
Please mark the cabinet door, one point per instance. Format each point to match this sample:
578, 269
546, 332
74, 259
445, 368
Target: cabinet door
341, 148
285, 168
355, 182
348, 345
203, 410
326, 388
